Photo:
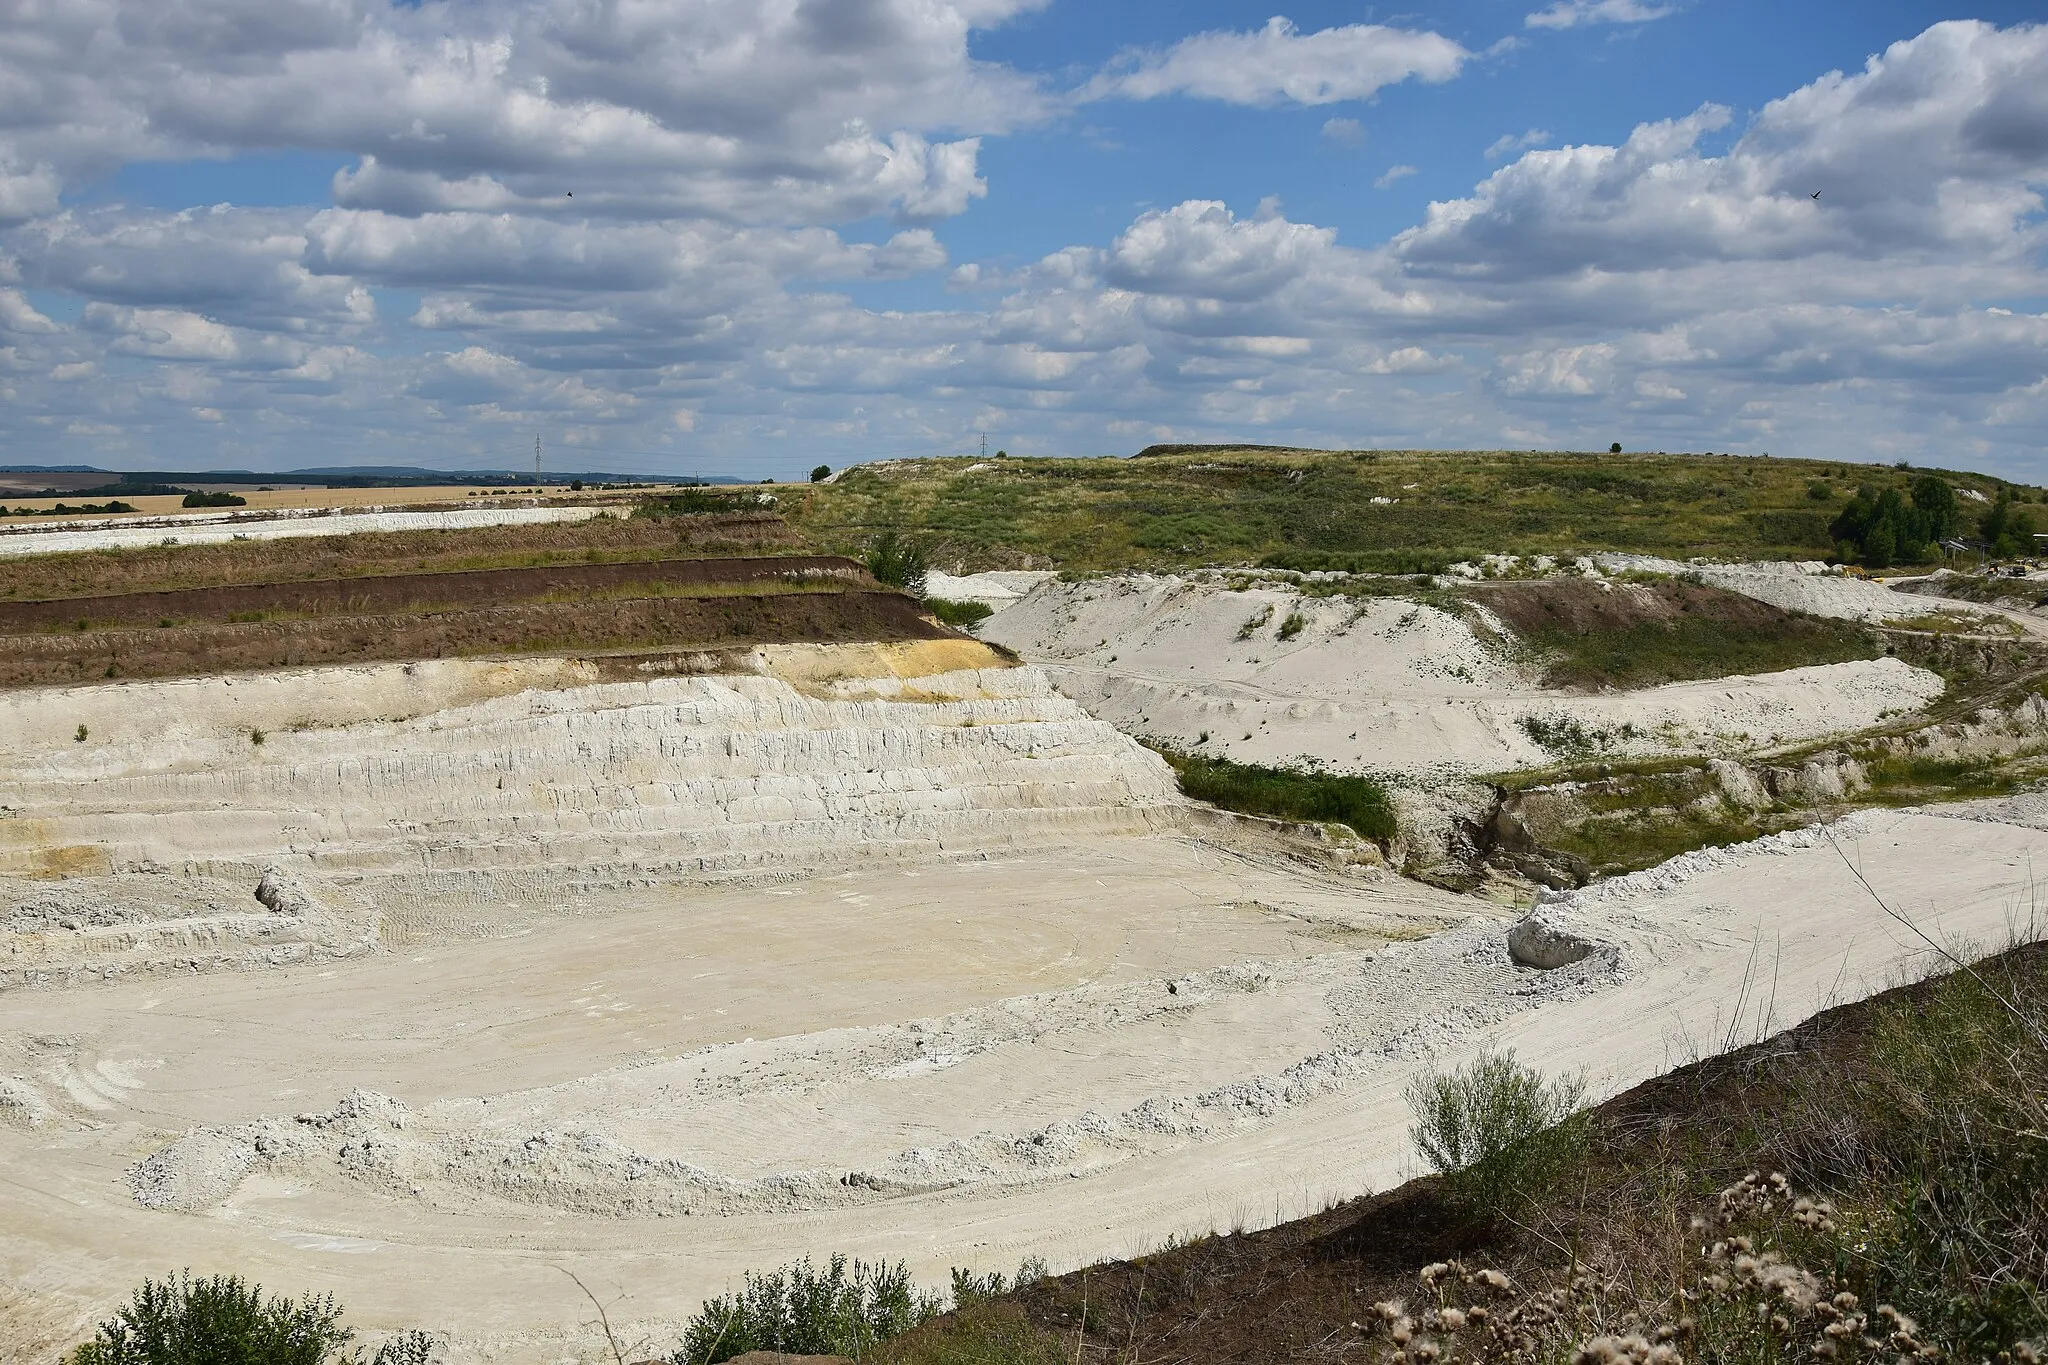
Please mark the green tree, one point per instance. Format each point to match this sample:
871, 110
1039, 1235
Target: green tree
821, 473
2006, 530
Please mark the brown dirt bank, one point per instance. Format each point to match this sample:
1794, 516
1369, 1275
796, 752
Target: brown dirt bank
728, 620
1628, 635
391, 593
160, 568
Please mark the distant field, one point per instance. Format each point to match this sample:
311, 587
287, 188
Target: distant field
1310, 509
298, 496
603, 540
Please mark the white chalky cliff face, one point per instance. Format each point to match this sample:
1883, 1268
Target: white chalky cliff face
350, 816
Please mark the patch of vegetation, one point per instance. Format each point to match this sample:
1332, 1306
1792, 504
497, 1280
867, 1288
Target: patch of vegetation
846, 1309
222, 1321
215, 500
687, 502
1290, 627
63, 509
959, 615
1286, 793
1629, 841
1309, 510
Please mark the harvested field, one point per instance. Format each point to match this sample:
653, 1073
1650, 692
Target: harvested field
718, 618
596, 539
432, 592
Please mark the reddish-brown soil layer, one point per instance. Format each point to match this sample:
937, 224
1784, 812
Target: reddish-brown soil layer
608, 539
726, 620
419, 593
1582, 606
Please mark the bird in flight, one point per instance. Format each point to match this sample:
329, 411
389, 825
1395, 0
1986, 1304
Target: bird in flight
1816, 194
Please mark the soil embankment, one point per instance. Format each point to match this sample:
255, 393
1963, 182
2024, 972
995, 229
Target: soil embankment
727, 620
1593, 634
426, 593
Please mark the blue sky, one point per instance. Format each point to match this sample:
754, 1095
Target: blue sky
744, 236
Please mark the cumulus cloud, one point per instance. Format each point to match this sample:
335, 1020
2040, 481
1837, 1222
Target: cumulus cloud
757, 112
1573, 13
1931, 153
1279, 64
691, 295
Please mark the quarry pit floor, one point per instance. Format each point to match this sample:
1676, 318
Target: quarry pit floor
949, 1018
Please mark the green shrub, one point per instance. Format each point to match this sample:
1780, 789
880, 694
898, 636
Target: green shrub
690, 502
847, 1309
215, 500
222, 1321
959, 615
1291, 627
898, 561
1287, 794
1498, 1133
821, 473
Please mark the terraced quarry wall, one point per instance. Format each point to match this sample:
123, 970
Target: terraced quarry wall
379, 790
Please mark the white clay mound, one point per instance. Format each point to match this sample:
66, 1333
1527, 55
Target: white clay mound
1393, 686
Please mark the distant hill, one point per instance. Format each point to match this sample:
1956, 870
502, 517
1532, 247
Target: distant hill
1388, 511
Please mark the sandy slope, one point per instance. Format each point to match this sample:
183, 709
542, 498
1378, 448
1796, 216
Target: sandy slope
1388, 685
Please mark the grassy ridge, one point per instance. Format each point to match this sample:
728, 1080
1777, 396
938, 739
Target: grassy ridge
1311, 509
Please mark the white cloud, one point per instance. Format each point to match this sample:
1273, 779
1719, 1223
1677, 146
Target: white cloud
1393, 175
1679, 288
1345, 132
759, 112
1279, 64
1572, 13
1508, 143
1199, 248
